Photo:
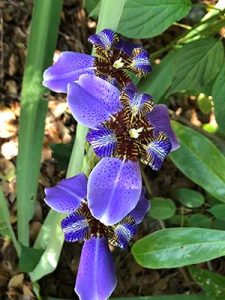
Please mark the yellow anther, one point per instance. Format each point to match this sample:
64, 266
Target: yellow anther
118, 63
134, 133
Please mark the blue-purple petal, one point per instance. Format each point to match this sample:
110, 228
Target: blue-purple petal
135, 100
124, 231
68, 68
104, 39
68, 194
114, 188
75, 227
141, 62
92, 100
141, 208
103, 141
126, 46
156, 151
96, 278
159, 119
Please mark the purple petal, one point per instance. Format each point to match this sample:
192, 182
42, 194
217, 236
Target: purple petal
92, 100
136, 101
68, 68
114, 188
159, 118
140, 63
141, 209
126, 46
96, 277
103, 141
75, 227
124, 231
104, 39
156, 151
68, 194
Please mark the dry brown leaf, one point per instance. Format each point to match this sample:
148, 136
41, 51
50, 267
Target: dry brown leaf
16, 281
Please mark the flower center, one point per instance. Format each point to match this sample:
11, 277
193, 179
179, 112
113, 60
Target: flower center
118, 63
132, 132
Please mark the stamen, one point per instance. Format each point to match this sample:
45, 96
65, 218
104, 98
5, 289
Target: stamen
118, 64
134, 133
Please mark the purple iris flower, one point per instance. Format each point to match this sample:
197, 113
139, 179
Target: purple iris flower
114, 58
125, 128
96, 278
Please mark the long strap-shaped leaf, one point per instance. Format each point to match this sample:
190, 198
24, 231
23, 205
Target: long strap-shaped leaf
51, 236
5, 225
42, 42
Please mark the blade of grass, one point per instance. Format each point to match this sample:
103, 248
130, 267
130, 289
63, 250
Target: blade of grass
42, 42
110, 13
5, 225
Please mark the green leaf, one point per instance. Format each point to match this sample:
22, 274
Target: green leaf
90, 4
189, 198
61, 153
5, 225
42, 42
162, 208
151, 17
29, 258
218, 93
218, 211
177, 247
159, 80
212, 283
165, 297
200, 160
197, 64
200, 220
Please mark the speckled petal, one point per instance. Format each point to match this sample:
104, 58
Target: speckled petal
92, 100
68, 68
156, 151
104, 39
159, 118
141, 209
96, 277
103, 141
114, 188
75, 227
68, 194
124, 231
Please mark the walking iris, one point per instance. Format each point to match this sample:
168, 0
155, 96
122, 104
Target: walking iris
126, 128
96, 278
114, 57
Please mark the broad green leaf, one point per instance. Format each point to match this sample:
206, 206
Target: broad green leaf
200, 220
90, 4
218, 211
29, 258
61, 153
148, 18
42, 42
165, 297
189, 198
200, 160
218, 94
159, 80
212, 283
162, 208
177, 247
197, 64
5, 225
